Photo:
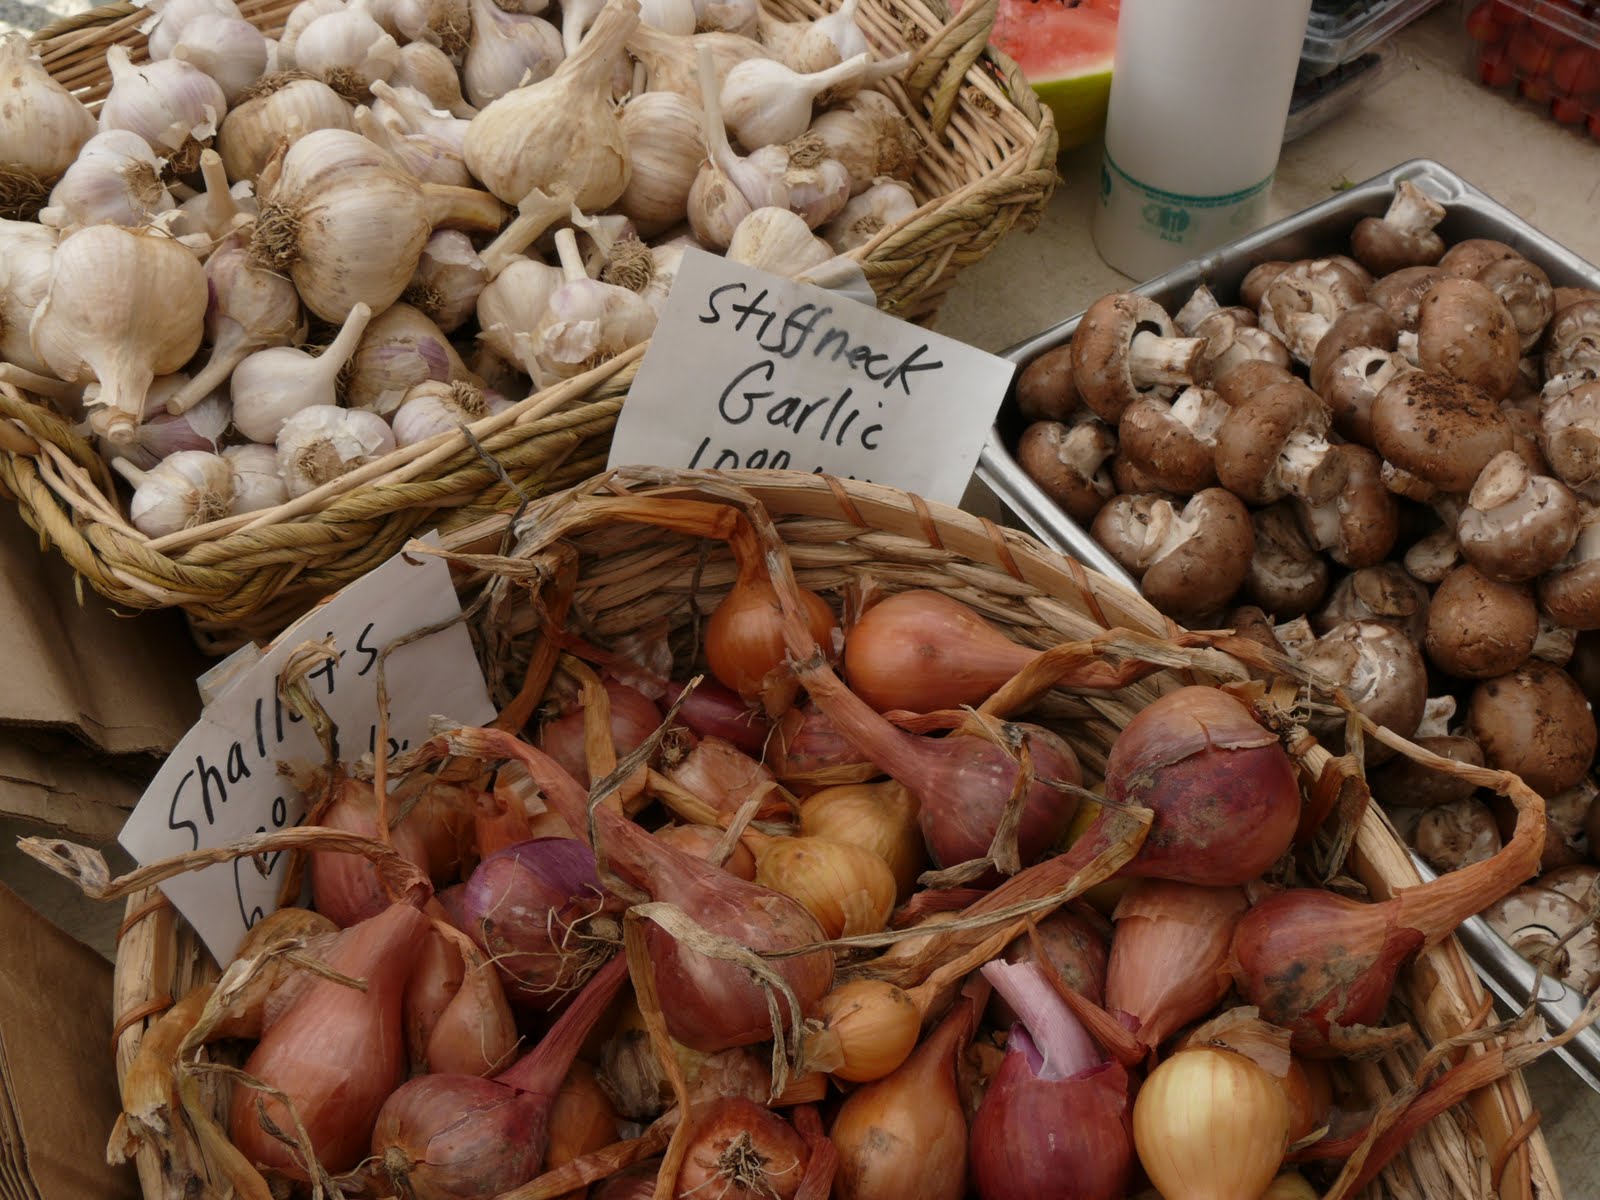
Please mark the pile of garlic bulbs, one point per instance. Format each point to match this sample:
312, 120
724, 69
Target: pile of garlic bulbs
267, 262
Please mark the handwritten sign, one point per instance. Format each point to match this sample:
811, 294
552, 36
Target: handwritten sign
223, 781
750, 370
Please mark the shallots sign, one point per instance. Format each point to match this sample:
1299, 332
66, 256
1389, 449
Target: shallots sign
750, 370
234, 773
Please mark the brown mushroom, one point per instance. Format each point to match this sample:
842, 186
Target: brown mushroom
1525, 290
1364, 326
1458, 834
1353, 269
1275, 444
1468, 257
1125, 347
1353, 382
1287, 576
1381, 673
1478, 627
1404, 483
1438, 429
1403, 781
1565, 296
1534, 722
1536, 921
1068, 462
1382, 592
1584, 667
1358, 527
1572, 340
1256, 281
1431, 557
1526, 431
1555, 644
1404, 236
1202, 305
1566, 824
1570, 424
1516, 525
1173, 444
1302, 303
1045, 391
1130, 478
1245, 380
1465, 331
1575, 882
1400, 294
1231, 342
1570, 591
1189, 562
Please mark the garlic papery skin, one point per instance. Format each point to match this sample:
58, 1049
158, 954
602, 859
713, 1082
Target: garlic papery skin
123, 307
248, 310
277, 109
819, 187
161, 434
45, 126
447, 281
408, 109
887, 202
256, 482
400, 349
349, 225
433, 408
300, 16
674, 17
348, 51
444, 25
27, 253
728, 16
870, 142
116, 180
186, 489
587, 321
217, 211
671, 64
227, 48
165, 30
576, 17
777, 240
664, 260
563, 132
422, 157
765, 102
662, 132
512, 305
270, 386
507, 48
319, 444
170, 104
427, 69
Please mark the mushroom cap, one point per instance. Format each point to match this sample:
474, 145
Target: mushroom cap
1175, 457
1465, 331
1572, 339
1525, 290
1570, 429
1468, 257
1253, 436
1131, 527
1438, 429
1400, 293
1575, 882
1535, 722
1379, 669
1130, 478
1456, 834
1101, 347
1248, 378
1479, 627
1404, 236
1068, 464
1566, 819
1201, 573
1381, 592
1302, 303
1535, 919
1571, 595
1353, 383
1359, 526
1517, 525
1565, 296
1232, 341
1287, 577
1045, 391
1254, 285
1405, 782
1362, 326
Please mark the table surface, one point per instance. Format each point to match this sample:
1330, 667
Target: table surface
1428, 107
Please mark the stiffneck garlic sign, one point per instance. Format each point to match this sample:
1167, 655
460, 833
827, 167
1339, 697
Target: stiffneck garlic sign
748, 370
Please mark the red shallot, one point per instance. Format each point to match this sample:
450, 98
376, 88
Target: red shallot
741, 1151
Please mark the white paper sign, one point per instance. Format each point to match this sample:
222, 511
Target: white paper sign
747, 369
222, 781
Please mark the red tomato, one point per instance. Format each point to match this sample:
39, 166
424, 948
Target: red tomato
1569, 110
1494, 66
1536, 91
1576, 71
1481, 25
1532, 50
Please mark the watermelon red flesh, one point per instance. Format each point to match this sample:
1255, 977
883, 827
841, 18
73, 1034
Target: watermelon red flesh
1065, 51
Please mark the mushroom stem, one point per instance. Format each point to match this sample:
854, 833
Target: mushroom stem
1086, 448
1500, 482
1309, 468
1154, 360
1413, 211
1200, 305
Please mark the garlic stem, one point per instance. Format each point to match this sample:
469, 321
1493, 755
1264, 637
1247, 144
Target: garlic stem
471, 210
39, 385
567, 251
537, 212
128, 471
715, 131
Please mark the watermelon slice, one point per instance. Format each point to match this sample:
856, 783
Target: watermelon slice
1064, 49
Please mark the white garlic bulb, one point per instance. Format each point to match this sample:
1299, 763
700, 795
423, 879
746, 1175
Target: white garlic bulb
511, 306
317, 445
27, 253
886, 202
229, 49
44, 127
507, 49
729, 188
408, 109
422, 157
662, 132
815, 45
871, 141
170, 104
447, 281
671, 63
271, 385
400, 349
728, 16
664, 260
765, 102
300, 16
348, 51
165, 29
674, 17
116, 180
433, 408
215, 213
256, 482
186, 489
278, 109
587, 321
162, 434
818, 186
427, 69
777, 240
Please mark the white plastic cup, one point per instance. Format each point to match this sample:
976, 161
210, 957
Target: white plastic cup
1199, 97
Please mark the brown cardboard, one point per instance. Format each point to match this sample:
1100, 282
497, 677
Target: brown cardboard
58, 1091
72, 792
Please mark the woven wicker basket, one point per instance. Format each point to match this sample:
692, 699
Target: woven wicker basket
988, 166
630, 576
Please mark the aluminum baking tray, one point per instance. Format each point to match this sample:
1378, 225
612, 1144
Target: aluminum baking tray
1322, 228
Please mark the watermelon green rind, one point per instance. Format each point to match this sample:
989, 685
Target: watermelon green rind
1065, 52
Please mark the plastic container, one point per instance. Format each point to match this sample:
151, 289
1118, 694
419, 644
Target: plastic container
1547, 51
1342, 30
1318, 100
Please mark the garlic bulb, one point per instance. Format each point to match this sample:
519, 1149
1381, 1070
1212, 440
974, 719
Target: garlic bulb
278, 109
186, 489
347, 50
728, 16
256, 482
442, 25
662, 133
576, 17
319, 444
161, 434
871, 141
432, 408
349, 225
400, 349
407, 109
300, 16
777, 240
765, 102
664, 260
886, 202
447, 281
675, 17
116, 180
249, 310
815, 45
507, 49
27, 253
671, 64
44, 128
219, 210
165, 29
123, 307
587, 321
510, 308
170, 104
728, 188
427, 69
419, 155
227, 48
819, 187
562, 132
271, 385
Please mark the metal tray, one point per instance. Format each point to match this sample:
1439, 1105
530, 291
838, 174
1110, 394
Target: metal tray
1322, 228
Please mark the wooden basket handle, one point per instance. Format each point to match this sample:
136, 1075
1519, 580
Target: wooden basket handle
942, 62
93, 18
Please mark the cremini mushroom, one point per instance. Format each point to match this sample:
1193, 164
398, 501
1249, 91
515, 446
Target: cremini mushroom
1275, 444
1479, 627
1358, 527
1189, 561
1555, 644
1174, 445
1245, 380
1403, 781
1125, 346
1437, 429
1257, 279
1045, 391
1380, 671
1400, 294
1433, 556
1465, 331
1566, 821
1576, 882
1287, 576
1130, 479
1537, 922
1068, 462
1570, 591
1570, 425
1232, 340
1364, 326
1567, 296
1353, 382
1525, 290
1516, 525
1382, 592
1466, 258
1301, 304
1454, 835
1201, 306
1572, 341
1535, 722
1404, 236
